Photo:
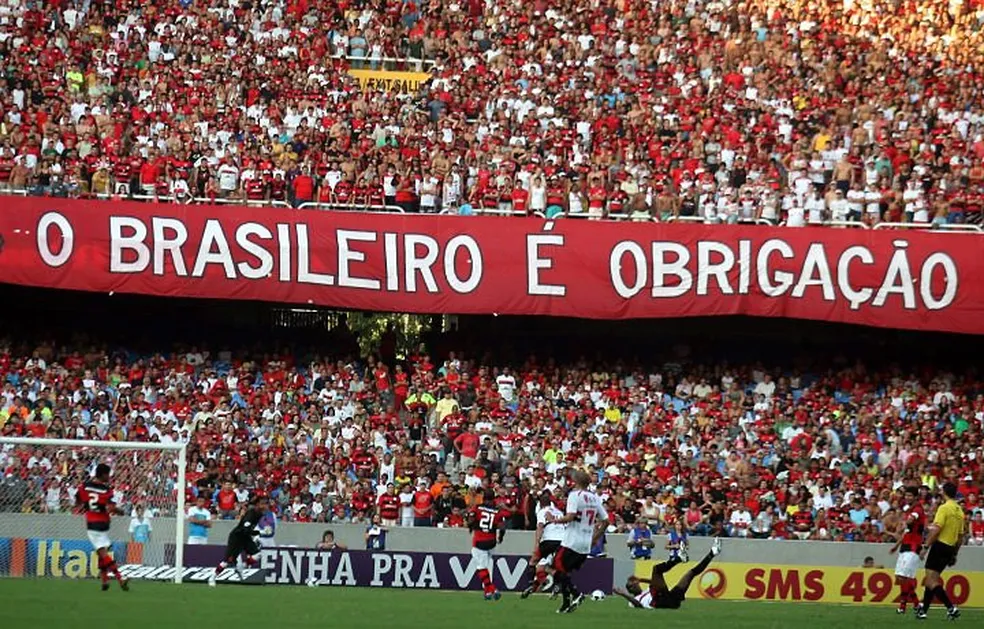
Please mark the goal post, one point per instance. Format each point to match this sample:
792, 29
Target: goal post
42, 531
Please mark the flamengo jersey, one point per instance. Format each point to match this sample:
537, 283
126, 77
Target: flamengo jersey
915, 525
588, 507
487, 521
96, 499
551, 532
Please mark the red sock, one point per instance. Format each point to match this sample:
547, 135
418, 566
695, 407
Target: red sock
913, 595
112, 567
103, 572
221, 567
486, 580
541, 576
251, 561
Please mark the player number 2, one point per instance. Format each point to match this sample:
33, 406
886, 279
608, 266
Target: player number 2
93, 502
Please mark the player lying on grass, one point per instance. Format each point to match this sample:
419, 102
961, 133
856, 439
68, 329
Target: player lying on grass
659, 595
243, 540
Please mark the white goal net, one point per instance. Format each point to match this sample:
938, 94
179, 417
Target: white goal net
42, 526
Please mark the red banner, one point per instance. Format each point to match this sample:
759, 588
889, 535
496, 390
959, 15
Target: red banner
449, 264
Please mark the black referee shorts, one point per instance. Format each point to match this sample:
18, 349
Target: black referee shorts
940, 557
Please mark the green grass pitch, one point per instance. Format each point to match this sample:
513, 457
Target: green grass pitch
39, 603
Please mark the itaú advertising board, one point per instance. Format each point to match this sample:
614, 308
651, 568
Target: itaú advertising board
487, 265
753, 582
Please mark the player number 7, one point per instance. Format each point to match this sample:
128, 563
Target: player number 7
589, 515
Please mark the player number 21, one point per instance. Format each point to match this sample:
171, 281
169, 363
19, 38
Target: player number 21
486, 521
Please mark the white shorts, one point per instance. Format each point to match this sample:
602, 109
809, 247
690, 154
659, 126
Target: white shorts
194, 540
100, 539
482, 559
906, 565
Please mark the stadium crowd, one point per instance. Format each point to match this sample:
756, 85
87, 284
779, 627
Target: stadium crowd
740, 450
721, 110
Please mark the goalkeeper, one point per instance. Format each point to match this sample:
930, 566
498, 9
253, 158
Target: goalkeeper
243, 539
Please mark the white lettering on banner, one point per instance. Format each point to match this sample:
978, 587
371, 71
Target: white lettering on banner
172, 246
304, 273
856, 297
469, 284
926, 281
121, 242
344, 572
268, 562
428, 574
290, 566
347, 255
214, 238
391, 257
54, 219
815, 264
535, 263
615, 267
415, 265
677, 268
718, 270
462, 577
381, 564
401, 573
283, 237
511, 577
780, 281
265, 259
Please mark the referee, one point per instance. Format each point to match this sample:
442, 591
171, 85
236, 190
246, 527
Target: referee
946, 535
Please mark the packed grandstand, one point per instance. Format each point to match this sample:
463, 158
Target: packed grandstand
848, 111
722, 449
856, 112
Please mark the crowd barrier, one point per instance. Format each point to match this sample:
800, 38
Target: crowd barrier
962, 228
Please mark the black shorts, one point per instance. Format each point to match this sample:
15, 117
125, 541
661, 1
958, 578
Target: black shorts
940, 557
240, 543
669, 599
547, 548
568, 561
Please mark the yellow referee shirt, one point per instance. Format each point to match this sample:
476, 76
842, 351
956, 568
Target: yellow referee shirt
950, 519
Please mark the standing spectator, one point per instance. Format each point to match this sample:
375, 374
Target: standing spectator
226, 500
388, 507
677, 543
640, 540
199, 522
467, 445
406, 505
302, 189
140, 526
423, 506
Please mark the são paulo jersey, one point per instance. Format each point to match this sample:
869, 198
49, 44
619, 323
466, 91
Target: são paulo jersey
551, 532
589, 509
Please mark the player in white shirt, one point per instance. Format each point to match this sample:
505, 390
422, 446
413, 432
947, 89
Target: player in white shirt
586, 520
546, 541
659, 595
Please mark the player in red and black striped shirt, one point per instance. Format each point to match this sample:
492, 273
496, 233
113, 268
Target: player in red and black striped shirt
96, 499
488, 525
